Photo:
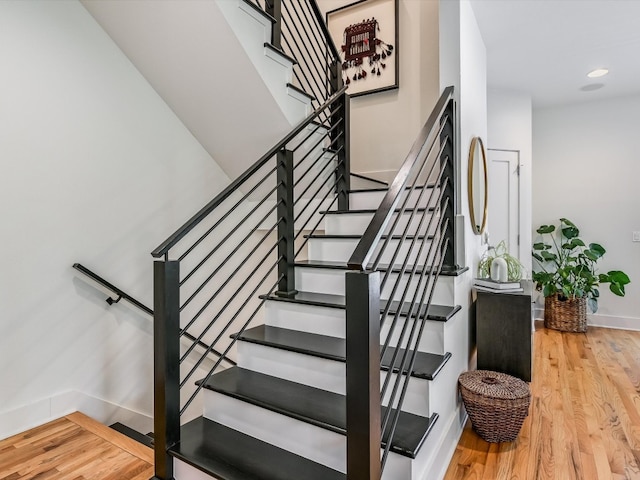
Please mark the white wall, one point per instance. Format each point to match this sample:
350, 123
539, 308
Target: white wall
586, 169
384, 125
95, 169
509, 116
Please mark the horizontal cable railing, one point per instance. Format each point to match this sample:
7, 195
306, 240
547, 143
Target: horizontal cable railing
123, 295
400, 257
299, 30
217, 270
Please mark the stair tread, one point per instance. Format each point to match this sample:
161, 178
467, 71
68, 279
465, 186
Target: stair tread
133, 434
373, 210
384, 189
383, 267
357, 237
440, 313
312, 405
227, 454
427, 365
280, 52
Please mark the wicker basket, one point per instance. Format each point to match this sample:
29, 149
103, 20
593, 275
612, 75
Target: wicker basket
497, 404
568, 315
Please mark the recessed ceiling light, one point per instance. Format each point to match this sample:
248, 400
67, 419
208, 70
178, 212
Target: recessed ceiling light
598, 72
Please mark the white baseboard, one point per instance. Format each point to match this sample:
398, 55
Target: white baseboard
605, 321
23, 418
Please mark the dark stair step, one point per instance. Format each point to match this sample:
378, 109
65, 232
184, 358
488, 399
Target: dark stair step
426, 367
384, 189
228, 454
373, 210
146, 440
439, 313
357, 237
312, 405
381, 267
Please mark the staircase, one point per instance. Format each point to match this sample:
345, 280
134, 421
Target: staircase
334, 306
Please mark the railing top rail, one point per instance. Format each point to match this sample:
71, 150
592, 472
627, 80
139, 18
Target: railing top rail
364, 250
165, 246
325, 30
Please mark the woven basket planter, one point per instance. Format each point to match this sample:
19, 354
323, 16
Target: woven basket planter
568, 315
497, 404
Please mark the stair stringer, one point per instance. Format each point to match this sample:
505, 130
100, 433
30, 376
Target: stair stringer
253, 30
443, 439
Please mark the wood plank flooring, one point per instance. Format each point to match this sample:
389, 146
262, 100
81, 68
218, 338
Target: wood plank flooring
74, 447
584, 420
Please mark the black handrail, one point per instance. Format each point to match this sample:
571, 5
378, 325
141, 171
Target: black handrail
165, 246
367, 245
123, 295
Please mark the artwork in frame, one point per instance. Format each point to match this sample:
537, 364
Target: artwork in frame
366, 36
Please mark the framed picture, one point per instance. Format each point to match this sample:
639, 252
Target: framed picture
366, 35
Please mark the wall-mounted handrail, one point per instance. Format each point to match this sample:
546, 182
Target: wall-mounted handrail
165, 246
123, 295
363, 252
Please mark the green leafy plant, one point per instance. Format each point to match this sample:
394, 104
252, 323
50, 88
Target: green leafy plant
568, 266
514, 267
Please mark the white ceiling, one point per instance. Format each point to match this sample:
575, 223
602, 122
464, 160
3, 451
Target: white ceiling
546, 47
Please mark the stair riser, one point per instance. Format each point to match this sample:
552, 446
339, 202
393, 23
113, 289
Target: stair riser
340, 250
331, 322
357, 223
332, 281
252, 31
322, 373
358, 200
309, 441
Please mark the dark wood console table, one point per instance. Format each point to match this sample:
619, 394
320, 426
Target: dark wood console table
503, 332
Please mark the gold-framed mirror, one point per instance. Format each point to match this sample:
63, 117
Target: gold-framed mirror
478, 186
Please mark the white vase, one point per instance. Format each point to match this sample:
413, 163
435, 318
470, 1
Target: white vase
499, 272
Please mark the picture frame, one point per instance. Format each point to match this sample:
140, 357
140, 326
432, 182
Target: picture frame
366, 36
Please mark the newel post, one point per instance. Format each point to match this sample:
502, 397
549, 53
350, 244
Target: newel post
448, 202
166, 355
342, 144
274, 8
363, 375
286, 233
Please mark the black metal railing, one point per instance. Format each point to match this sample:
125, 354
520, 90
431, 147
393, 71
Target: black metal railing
122, 295
301, 33
418, 212
215, 270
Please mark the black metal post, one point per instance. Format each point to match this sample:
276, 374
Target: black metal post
363, 375
448, 202
335, 76
166, 353
274, 8
344, 154
286, 234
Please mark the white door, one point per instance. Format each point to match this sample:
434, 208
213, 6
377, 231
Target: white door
504, 198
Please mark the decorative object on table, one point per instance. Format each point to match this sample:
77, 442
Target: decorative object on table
499, 271
478, 186
497, 403
568, 277
488, 285
366, 35
514, 267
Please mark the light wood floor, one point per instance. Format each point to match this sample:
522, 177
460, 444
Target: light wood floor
584, 419
74, 447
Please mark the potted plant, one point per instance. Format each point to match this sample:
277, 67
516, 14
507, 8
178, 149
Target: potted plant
514, 267
568, 277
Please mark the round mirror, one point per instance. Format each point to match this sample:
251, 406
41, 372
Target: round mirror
477, 185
